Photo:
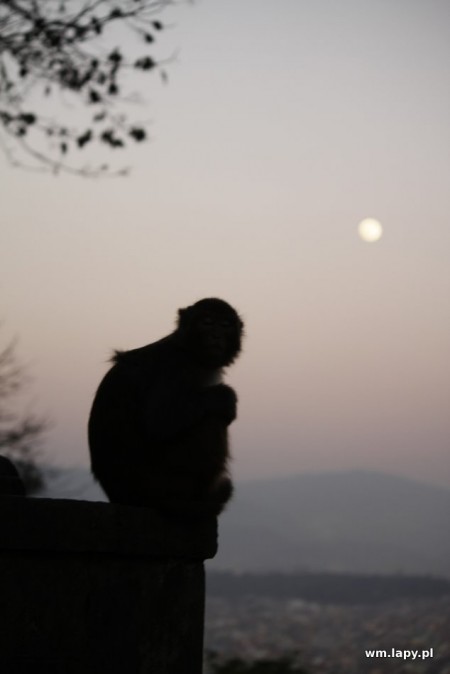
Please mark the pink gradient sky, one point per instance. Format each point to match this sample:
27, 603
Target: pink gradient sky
283, 125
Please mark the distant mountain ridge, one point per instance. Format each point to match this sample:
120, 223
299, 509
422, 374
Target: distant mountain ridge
356, 522
360, 522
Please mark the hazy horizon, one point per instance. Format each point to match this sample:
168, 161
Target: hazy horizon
354, 521
283, 125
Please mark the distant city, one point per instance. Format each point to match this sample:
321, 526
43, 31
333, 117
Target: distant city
332, 638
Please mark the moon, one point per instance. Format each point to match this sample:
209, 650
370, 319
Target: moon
370, 230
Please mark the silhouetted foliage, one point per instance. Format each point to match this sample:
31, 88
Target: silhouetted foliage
285, 665
20, 433
67, 47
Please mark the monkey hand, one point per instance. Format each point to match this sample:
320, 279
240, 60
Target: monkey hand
222, 401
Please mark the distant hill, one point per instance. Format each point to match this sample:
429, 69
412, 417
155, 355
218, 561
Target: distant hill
358, 522
74, 482
361, 522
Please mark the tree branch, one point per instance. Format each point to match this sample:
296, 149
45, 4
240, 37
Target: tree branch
65, 47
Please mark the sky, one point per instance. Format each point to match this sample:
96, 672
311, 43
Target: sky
283, 125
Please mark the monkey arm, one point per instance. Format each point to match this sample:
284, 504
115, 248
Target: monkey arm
176, 410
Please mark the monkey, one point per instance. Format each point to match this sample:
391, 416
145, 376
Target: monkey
158, 426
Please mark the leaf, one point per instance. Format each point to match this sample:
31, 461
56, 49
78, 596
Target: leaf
5, 117
99, 117
115, 56
94, 96
84, 138
112, 140
145, 63
54, 39
80, 31
138, 134
96, 25
27, 117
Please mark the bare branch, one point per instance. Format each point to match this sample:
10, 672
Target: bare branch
20, 433
67, 46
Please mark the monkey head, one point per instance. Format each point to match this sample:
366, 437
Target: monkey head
212, 331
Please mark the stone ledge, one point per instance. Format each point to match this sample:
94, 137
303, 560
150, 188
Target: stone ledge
68, 526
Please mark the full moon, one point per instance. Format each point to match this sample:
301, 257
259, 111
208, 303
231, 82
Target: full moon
370, 230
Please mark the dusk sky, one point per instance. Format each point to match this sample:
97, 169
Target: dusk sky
283, 125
